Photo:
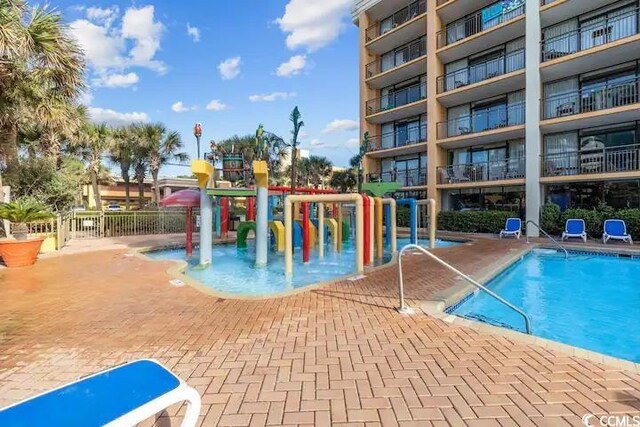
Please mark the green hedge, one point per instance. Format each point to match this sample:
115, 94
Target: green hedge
553, 221
473, 221
402, 215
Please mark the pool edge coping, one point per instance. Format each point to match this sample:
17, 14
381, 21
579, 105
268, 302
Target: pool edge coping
458, 293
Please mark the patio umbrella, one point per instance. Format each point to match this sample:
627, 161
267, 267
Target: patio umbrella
188, 199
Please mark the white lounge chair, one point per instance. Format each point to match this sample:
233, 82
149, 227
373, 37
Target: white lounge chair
575, 228
616, 229
122, 396
513, 227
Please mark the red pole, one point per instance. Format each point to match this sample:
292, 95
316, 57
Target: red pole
367, 230
224, 217
251, 213
189, 229
305, 232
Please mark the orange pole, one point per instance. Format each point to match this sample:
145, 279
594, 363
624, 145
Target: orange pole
367, 229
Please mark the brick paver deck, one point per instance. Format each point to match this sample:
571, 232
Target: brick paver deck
336, 356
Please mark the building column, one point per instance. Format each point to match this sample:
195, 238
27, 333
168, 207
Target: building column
167, 191
435, 111
532, 126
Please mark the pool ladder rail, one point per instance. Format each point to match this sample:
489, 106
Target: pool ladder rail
562, 248
403, 308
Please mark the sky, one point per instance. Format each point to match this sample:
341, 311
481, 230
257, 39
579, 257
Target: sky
230, 65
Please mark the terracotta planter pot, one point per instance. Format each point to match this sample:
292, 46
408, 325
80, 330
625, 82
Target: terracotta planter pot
20, 253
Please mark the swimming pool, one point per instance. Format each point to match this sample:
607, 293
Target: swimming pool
233, 271
588, 301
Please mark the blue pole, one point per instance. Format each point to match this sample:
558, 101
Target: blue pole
387, 225
413, 217
218, 217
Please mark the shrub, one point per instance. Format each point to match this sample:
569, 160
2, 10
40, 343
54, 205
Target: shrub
403, 215
550, 218
473, 221
632, 218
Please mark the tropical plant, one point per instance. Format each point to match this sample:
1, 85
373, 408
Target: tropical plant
22, 211
319, 169
356, 161
41, 74
91, 144
140, 168
162, 146
122, 154
295, 119
344, 181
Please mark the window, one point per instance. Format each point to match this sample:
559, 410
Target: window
510, 199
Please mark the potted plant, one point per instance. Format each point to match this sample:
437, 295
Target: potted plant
21, 251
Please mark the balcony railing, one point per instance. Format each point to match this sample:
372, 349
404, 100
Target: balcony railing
400, 17
482, 20
592, 161
410, 52
483, 71
586, 100
406, 178
397, 99
599, 33
441, 2
492, 118
399, 138
482, 171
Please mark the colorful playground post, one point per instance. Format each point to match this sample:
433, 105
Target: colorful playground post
367, 225
306, 244
203, 170
390, 222
372, 231
321, 230
413, 218
261, 173
378, 228
431, 203
323, 198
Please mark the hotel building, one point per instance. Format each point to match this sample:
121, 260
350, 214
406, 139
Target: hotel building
484, 104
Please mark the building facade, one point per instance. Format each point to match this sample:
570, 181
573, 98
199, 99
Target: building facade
485, 104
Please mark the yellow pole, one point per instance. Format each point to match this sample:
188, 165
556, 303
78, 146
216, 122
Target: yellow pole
339, 247
288, 238
378, 220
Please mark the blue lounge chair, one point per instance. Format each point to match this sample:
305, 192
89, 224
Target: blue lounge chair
513, 227
121, 396
575, 228
616, 229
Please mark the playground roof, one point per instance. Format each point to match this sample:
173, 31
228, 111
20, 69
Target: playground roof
188, 198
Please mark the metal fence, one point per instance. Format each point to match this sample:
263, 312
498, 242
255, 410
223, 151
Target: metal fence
592, 161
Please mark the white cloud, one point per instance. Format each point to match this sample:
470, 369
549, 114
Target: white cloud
230, 68
293, 66
193, 32
270, 97
303, 134
317, 143
216, 105
353, 143
113, 43
115, 118
341, 125
312, 24
116, 80
179, 107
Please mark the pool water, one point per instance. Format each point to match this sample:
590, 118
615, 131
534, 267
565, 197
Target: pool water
587, 301
233, 271
402, 242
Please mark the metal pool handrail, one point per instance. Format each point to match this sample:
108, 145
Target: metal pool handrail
566, 253
403, 308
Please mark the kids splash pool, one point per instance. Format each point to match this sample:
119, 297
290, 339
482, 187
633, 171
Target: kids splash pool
588, 301
233, 270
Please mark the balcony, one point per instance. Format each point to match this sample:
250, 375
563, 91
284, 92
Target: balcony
402, 103
555, 11
477, 32
452, 10
402, 64
482, 172
404, 141
482, 80
404, 25
617, 161
406, 178
606, 42
486, 126
590, 107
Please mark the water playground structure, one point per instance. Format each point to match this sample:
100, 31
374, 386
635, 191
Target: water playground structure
305, 221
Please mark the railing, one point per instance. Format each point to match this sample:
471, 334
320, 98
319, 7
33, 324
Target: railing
406, 178
397, 99
399, 138
566, 253
480, 72
479, 22
398, 57
94, 225
587, 37
592, 161
441, 2
482, 171
586, 100
545, 2
403, 308
398, 18
489, 119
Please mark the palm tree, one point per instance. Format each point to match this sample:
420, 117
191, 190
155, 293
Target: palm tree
162, 146
122, 154
92, 143
343, 181
319, 170
41, 64
140, 167
356, 161
297, 125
